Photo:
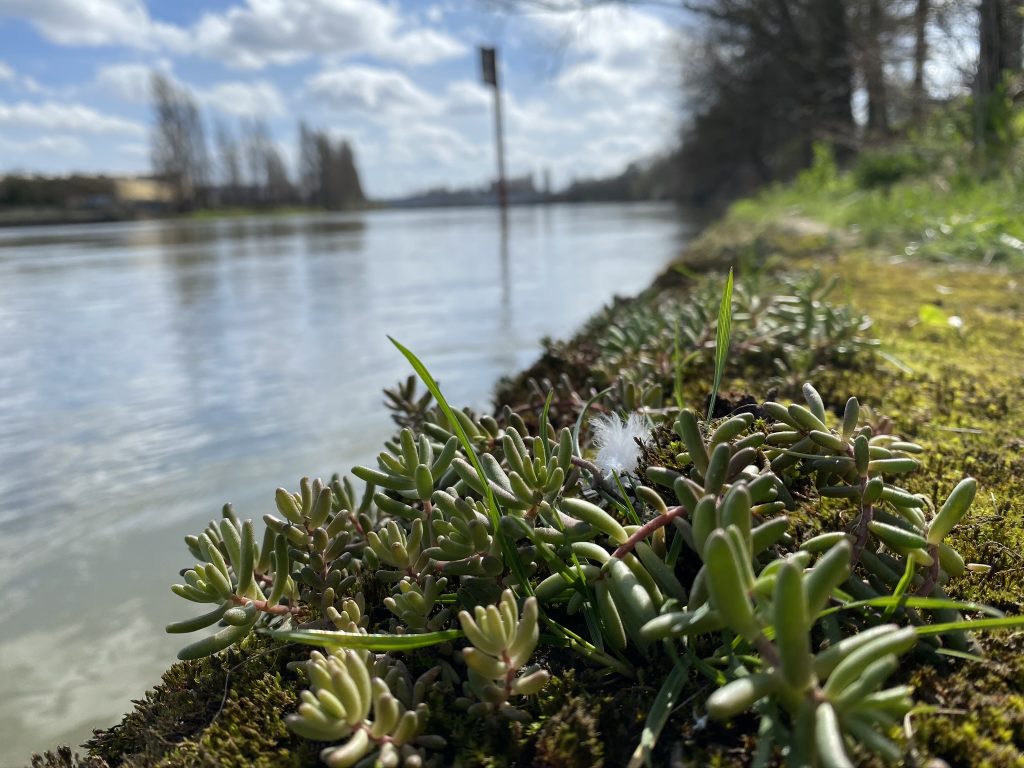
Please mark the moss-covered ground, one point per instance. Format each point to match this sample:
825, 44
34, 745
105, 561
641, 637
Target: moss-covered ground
950, 376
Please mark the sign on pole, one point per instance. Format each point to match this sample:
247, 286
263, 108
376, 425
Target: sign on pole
488, 68
489, 73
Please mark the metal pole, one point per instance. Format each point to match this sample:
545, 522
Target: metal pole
489, 63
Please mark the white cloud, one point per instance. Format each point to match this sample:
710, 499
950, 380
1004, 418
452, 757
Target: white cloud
467, 97
591, 80
23, 82
379, 93
265, 32
134, 149
617, 51
70, 146
585, 92
128, 82
71, 117
32, 85
418, 47
259, 98
437, 144
615, 99
96, 23
133, 83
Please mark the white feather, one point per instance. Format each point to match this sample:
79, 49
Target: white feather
615, 440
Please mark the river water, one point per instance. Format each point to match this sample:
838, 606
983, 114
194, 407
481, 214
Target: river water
151, 371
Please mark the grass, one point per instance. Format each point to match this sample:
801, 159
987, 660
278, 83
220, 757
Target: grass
931, 197
242, 212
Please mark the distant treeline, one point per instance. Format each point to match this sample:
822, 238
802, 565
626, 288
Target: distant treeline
245, 167
653, 179
773, 78
31, 192
766, 81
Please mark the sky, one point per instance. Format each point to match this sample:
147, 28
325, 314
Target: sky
585, 92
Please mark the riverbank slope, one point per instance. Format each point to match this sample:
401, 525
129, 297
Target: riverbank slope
947, 374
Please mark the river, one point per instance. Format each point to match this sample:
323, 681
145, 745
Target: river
151, 371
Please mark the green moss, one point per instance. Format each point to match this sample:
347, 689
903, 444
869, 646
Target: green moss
962, 402
976, 712
226, 710
570, 734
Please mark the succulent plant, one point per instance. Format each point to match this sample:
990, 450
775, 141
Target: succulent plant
502, 643
480, 532
346, 702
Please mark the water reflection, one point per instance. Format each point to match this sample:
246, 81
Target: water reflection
188, 232
151, 371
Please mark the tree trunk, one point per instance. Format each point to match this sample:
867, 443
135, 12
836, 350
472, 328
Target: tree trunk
874, 72
835, 74
918, 96
989, 44
1013, 34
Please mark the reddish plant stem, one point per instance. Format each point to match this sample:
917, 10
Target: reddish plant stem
261, 605
647, 529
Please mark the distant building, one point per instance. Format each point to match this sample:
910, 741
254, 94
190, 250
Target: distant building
143, 192
38, 199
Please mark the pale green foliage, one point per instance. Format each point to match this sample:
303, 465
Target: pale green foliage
346, 702
502, 643
476, 514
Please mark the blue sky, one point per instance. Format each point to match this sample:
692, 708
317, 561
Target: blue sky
586, 92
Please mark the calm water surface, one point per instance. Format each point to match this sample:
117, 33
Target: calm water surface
151, 371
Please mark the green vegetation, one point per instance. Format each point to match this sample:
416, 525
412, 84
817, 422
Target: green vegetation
933, 198
830, 578
242, 212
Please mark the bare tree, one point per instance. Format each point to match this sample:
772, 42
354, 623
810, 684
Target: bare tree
328, 177
872, 27
179, 152
917, 94
999, 51
309, 165
255, 137
230, 162
279, 188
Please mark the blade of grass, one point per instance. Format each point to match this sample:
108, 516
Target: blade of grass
581, 418
543, 426
901, 587
507, 547
664, 703
677, 369
925, 603
625, 508
975, 625
327, 639
960, 654
724, 331
593, 624
894, 361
